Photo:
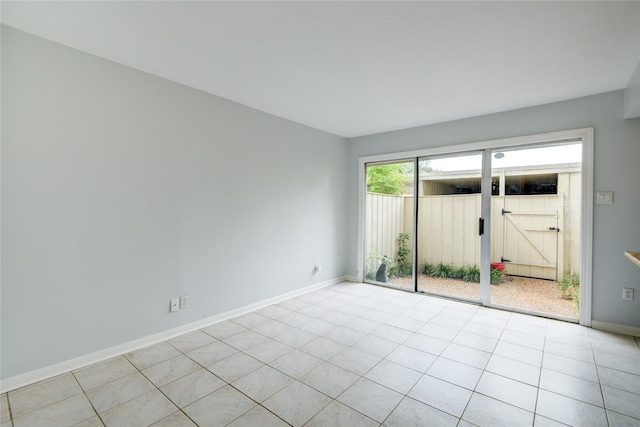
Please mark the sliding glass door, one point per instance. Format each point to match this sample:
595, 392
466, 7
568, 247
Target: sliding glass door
445, 192
449, 207
389, 221
536, 228
499, 225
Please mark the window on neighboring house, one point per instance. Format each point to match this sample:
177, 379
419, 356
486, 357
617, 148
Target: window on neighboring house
441, 187
531, 184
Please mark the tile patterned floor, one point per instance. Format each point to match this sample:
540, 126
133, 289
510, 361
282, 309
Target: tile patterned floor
354, 355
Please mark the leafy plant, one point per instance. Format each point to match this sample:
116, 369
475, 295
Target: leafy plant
427, 268
402, 266
376, 260
402, 263
570, 287
496, 276
443, 270
569, 282
575, 297
469, 273
389, 178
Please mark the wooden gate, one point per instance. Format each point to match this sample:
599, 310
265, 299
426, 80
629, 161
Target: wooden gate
530, 235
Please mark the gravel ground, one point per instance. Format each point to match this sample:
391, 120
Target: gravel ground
521, 292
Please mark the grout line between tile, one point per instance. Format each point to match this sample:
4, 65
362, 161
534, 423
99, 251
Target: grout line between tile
371, 302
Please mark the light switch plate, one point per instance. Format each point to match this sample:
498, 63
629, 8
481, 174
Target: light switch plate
604, 198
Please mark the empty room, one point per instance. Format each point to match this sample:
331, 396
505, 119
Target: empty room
320, 213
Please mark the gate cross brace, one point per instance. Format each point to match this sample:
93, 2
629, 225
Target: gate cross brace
528, 237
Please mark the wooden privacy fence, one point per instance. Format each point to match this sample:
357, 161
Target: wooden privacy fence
535, 234
385, 220
447, 228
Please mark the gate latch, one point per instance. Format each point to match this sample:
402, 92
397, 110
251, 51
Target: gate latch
554, 228
504, 211
503, 259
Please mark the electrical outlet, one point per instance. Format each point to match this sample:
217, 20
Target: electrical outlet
175, 304
184, 301
604, 198
627, 294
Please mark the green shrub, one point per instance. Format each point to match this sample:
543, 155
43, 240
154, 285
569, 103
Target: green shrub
467, 273
570, 287
443, 270
569, 283
470, 273
403, 266
575, 297
427, 268
377, 259
496, 276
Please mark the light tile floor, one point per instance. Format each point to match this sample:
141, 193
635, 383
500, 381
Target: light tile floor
354, 355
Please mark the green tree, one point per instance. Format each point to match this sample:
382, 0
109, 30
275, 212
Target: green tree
390, 178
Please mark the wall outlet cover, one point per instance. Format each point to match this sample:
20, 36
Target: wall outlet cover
174, 304
604, 198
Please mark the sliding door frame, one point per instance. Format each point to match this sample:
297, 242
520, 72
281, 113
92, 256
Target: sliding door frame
584, 135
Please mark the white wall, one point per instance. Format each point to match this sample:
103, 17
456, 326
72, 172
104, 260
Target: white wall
121, 190
632, 95
617, 169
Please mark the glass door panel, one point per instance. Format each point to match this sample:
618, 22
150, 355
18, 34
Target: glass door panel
389, 220
535, 240
449, 206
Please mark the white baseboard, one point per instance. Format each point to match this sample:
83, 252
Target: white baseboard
615, 327
89, 359
351, 278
